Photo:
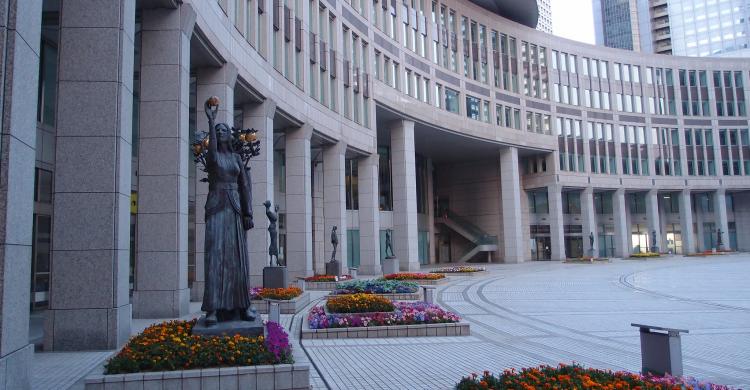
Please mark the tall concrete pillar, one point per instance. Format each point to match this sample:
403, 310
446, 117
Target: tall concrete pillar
334, 200
556, 222
161, 288
510, 194
686, 223
369, 215
318, 219
699, 219
298, 202
588, 215
652, 215
19, 42
403, 161
260, 117
217, 82
89, 306
622, 229
720, 216
431, 213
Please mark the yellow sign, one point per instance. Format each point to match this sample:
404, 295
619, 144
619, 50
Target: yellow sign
133, 203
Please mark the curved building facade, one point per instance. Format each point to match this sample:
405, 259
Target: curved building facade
470, 136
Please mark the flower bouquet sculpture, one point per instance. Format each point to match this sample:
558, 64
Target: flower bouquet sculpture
224, 154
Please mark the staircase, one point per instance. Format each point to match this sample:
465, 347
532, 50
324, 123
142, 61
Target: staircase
481, 240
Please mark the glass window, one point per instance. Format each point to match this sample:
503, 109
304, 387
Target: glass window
451, 100
352, 185
472, 107
47, 88
384, 179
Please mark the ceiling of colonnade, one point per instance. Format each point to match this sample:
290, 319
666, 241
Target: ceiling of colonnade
443, 145
525, 12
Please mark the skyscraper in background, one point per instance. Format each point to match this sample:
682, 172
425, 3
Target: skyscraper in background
681, 27
545, 16
616, 24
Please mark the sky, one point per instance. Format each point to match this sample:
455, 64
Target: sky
573, 19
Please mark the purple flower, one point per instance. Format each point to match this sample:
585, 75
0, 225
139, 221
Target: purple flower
277, 341
404, 313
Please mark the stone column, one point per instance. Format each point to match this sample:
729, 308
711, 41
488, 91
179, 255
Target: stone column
334, 200
319, 240
510, 193
210, 82
161, 289
89, 306
298, 202
652, 215
556, 222
431, 211
260, 117
686, 223
588, 215
622, 229
403, 161
699, 219
369, 216
19, 44
720, 216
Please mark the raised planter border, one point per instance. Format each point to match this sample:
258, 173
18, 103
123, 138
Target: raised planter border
447, 274
292, 306
278, 377
589, 261
421, 330
417, 296
427, 282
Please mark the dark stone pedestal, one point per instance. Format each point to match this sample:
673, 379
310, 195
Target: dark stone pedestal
275, 277
390, 265
333, 268
229, 328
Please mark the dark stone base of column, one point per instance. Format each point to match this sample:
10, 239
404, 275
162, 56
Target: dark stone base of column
275, 277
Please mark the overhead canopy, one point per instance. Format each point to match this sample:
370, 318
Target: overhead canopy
525, 12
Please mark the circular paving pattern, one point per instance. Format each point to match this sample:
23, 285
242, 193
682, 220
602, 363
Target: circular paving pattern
550, 312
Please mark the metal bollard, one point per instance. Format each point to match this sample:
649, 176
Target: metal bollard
301, 284
428, 292
661, 353
274, 313
353, 272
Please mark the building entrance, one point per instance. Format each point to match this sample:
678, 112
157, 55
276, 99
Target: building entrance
541, 244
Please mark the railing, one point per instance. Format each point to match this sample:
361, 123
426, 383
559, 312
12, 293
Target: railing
480, 237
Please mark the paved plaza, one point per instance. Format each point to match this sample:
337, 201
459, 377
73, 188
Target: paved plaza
550, 312
529, 314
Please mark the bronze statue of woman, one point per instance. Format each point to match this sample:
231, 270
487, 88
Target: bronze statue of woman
228, 216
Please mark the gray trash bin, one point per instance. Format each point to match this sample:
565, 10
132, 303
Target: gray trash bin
661, 351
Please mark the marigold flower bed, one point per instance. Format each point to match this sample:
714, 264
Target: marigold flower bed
378, 286
460, 269
358, 303
645, 254
281, 294
413, 276
171, 346
327, 278
570, 377
404, 313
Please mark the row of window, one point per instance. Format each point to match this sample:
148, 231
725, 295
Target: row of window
636, 202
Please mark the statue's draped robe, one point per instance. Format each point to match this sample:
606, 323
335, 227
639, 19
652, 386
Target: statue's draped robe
226, 258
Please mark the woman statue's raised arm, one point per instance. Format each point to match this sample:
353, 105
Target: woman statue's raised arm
211, 107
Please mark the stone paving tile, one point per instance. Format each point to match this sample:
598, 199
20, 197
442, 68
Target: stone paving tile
61, 370
548, 312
